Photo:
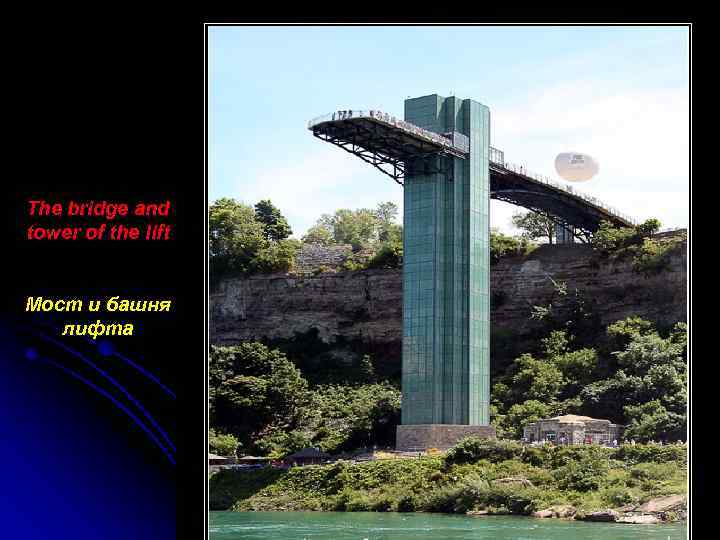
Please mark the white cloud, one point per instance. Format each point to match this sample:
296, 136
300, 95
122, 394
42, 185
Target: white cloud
639, 137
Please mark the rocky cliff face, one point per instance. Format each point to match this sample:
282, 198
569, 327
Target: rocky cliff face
365, 307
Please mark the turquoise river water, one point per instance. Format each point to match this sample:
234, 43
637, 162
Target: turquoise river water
420, 526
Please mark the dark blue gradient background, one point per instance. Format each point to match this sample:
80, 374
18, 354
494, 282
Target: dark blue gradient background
102, 122
68, 472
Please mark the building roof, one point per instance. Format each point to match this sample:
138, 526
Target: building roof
309, 453
573, 418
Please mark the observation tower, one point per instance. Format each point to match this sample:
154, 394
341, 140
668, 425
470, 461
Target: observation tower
442, 156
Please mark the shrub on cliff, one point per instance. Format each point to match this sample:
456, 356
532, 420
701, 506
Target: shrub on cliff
653, 256
502, 245
276, 257
612, 240
649, 255
388, 256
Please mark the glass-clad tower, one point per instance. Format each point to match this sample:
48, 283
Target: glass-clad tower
446, 283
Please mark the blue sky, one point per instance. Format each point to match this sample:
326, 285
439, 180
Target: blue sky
618, 93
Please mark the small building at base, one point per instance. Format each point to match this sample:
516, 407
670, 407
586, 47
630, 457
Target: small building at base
573, 429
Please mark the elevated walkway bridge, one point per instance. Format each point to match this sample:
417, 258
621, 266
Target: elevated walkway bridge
393, 146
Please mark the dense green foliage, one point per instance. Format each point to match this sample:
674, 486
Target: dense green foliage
339, 417
653, 256
637, 377
254, 391
244, 240
498, 476
260, 397
609, 239
390, 255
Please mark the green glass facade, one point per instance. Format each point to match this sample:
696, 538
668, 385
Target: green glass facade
446, 301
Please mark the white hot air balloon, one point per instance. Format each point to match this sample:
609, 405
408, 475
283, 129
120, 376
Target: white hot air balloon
576, 167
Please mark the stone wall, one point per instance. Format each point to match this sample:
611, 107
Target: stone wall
421, 437
613, 289
314, 257
366, 306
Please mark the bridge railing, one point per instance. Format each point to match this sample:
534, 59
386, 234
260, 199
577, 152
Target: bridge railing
390, 120
569, 189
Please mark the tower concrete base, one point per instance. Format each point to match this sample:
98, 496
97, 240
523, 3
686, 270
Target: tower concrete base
421, 437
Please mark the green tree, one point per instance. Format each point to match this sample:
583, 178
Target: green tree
319, 234
558, 342
578, 367
343, 417
648, 227
569, 310
358, 228
277, 256
275, 224
678, 335
242, 244
607, 398
537, 379
650, 350
361, 228
386, 214
521, 414
236, 237
534, 226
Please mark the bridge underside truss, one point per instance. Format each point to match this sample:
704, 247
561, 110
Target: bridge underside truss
575, 214
388, 150
510, 196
